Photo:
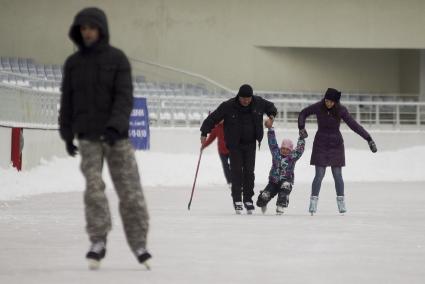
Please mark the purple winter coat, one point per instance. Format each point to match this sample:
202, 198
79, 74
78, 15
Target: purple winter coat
328, 145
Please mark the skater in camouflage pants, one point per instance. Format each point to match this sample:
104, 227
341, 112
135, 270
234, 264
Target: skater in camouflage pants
96, 102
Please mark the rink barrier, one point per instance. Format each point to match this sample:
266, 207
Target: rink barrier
27, 108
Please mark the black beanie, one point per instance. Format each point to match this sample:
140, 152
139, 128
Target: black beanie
333, 95
245, 91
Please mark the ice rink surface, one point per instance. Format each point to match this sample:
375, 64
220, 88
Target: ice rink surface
381, 239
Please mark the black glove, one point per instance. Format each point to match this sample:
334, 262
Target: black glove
303, 133
71, 148
110, 136
372, 145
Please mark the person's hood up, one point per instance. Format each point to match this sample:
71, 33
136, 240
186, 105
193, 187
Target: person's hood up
93, 16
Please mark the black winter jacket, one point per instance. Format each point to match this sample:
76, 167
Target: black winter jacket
232, 113
97, 90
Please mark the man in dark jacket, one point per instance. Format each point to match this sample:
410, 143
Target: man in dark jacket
243, 126
96, 102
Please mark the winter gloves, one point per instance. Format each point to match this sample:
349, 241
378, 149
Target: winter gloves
71, 148
303, 133
110, 136
372, 145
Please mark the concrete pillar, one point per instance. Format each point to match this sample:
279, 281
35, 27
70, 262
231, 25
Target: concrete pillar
422, 76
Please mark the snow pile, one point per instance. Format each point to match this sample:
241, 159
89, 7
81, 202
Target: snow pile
177, 169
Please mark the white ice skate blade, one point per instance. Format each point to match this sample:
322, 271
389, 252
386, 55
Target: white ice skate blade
238, 212
249, 212
146, 264
93, 264
264, 209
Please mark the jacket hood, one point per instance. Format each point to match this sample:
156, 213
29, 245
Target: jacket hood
93, 16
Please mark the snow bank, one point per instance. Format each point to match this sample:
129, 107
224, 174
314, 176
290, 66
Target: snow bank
177, 169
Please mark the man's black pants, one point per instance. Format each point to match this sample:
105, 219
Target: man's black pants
242, 165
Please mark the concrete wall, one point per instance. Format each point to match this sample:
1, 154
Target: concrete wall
5, 150
422, 76
409, 71
355, 70
275, 45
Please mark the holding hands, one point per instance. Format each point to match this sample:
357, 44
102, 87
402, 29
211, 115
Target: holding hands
303, 133
269, 122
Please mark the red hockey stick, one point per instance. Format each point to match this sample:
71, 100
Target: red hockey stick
194, 182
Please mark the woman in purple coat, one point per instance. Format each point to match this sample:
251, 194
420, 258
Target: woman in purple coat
328, 145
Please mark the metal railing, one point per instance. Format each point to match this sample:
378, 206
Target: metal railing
179, 98
398, 115
28, 108
347, 96
163, 79
24, 107
190, 111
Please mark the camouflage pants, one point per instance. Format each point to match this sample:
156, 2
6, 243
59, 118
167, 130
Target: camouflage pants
125, 176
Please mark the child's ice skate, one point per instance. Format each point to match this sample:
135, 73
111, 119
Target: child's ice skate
262, 201
280, 210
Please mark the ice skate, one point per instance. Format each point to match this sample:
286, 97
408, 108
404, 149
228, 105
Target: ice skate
249, 206
143, 256
341, 204
262, 200
280, 210
313, 205
238, 205
95, 254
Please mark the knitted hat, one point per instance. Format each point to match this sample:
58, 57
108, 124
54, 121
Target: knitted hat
333, 95
245, 91
286, 143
